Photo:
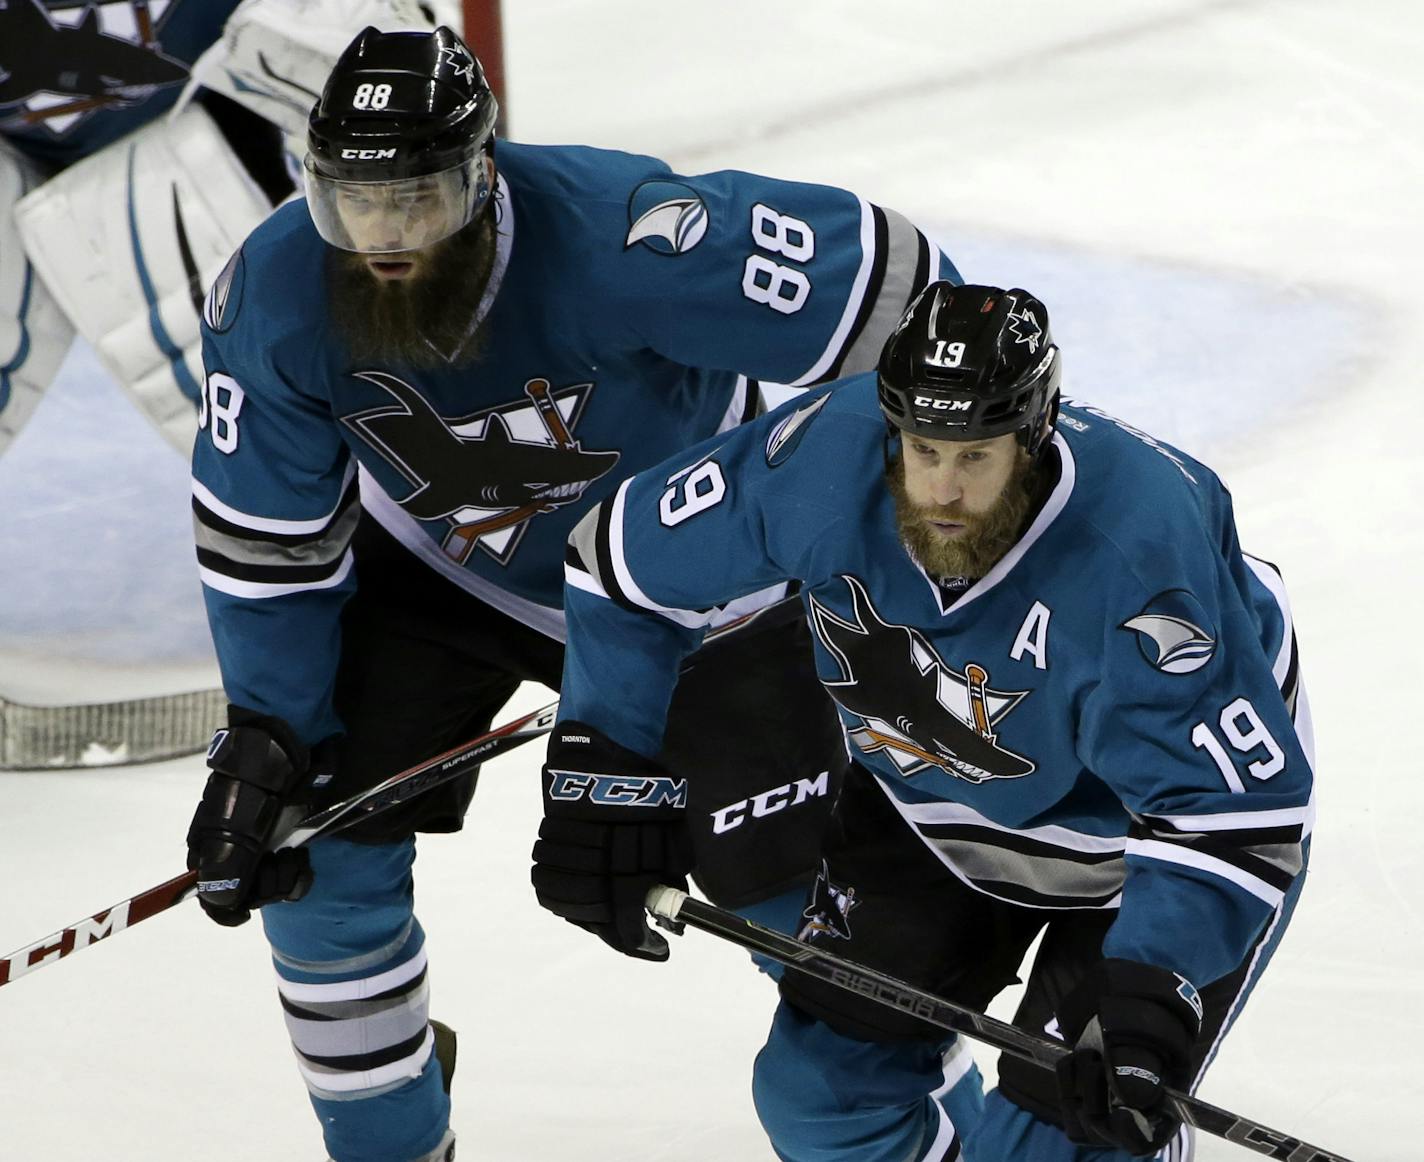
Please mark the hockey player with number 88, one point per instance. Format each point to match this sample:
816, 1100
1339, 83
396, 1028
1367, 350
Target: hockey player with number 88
1076, 708
417, 380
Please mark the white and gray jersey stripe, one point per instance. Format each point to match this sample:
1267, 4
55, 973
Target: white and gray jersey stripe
245, 555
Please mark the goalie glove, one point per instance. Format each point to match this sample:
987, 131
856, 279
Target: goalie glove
1133, 1028
613, 828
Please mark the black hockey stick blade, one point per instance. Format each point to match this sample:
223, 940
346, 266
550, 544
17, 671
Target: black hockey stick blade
670, 906
397, 789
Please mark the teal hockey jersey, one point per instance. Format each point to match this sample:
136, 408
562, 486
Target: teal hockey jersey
1110, 718
78, 74
630, 312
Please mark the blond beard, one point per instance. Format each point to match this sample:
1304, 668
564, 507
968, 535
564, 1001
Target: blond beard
987, 536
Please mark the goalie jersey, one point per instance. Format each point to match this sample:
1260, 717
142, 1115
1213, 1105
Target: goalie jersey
78, 74
1110, 718
630, 313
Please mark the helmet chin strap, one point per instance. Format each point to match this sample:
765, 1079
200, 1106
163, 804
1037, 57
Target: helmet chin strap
1035, 445
892, 446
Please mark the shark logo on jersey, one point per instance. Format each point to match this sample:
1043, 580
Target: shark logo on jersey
59, 66
787, 435
666, 217
225, 295
1026, 329
916, 709
1170, 634
486, 474
828, 913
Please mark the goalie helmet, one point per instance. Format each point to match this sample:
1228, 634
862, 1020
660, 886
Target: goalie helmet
972, 363
397, 144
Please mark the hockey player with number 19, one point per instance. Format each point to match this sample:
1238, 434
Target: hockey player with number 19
1076, 707
418, 379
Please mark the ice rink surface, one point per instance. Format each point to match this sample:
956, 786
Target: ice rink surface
1219, 202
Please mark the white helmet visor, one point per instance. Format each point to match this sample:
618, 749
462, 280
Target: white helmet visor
393, 216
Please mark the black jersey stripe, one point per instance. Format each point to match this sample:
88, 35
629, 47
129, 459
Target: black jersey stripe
901, 271
1016, 841
1016, 893
1244, 835
1050, 877
364, 1062
603, 557
880, 232
283, 574
753, 404
207, 518
604, 571
1290, 687
1274, 857
241, 553
354, 1007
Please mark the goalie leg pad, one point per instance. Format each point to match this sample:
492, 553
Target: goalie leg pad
351, 974
128, 240
34, 333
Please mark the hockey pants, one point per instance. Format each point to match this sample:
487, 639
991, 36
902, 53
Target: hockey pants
351, 975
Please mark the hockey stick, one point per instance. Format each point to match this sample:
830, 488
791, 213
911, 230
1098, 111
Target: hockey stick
397, 789
672, 907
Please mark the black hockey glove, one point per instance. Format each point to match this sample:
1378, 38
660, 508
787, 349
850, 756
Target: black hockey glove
613, 828
260, 772
1132, 1027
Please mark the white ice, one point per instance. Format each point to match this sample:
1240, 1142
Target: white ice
1220, 202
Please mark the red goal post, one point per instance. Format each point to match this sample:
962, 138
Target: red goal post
484, 33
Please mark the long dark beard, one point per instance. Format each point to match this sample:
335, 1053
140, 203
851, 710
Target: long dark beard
426, 321
983, 543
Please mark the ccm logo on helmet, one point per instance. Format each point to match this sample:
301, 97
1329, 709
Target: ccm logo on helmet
367, 154
943, 405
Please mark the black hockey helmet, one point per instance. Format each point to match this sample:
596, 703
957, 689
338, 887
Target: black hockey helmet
404, 122
971, 363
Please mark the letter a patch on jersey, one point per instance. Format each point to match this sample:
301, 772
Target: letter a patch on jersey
916, 709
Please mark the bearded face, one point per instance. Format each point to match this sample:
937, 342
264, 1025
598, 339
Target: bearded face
417, 308
961, 505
